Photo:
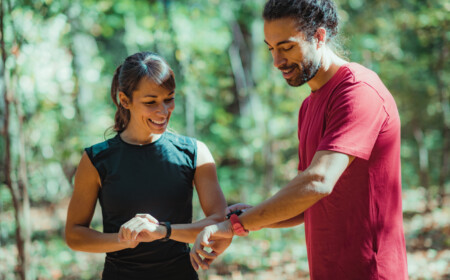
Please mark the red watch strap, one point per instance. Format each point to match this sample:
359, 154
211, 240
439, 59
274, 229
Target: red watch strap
238, 229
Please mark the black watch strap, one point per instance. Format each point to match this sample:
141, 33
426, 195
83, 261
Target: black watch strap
168, 230
237, 212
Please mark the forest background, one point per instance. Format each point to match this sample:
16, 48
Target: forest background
58, 58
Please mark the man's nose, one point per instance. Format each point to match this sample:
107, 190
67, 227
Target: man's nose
278, 59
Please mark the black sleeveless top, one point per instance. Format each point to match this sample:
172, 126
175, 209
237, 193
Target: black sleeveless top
157, 179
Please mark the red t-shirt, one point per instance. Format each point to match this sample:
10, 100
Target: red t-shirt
356, 232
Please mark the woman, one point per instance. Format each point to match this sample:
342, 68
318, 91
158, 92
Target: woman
144, 169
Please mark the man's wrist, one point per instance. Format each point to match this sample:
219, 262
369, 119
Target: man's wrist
237, 227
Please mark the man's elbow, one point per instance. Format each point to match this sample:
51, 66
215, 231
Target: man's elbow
320, 185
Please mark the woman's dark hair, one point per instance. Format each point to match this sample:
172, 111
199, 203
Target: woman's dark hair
310, 14
128, 75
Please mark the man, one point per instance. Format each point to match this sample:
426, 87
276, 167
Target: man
348, 190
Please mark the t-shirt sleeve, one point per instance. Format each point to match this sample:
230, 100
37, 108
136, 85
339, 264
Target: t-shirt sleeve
356, 115
93, 153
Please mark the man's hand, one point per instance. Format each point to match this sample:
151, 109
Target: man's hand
237, 206
217, 237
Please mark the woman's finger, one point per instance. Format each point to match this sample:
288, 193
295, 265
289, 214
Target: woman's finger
206, 255
130, 226
197, 250
195, 258
148, 217
193, 263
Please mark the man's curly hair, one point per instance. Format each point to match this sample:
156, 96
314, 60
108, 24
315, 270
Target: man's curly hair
310, 14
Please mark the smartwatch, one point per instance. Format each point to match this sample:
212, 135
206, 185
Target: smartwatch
237, 212
168, 230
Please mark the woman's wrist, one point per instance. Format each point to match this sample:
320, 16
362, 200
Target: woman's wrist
163, 230
125, 244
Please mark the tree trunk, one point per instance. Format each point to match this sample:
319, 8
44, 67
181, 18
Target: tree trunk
423, 164
189, 103
442, 89
18, 188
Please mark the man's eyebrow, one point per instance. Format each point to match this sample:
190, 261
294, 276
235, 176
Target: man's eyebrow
155, 96
280, 43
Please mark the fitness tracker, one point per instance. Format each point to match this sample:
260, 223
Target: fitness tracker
238, 229
168, 230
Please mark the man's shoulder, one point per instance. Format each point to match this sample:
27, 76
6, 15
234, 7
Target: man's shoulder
352, 73
355, 73
355, 78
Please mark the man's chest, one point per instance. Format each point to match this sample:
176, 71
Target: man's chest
311, 129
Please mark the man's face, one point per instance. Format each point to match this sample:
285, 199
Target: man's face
295, 57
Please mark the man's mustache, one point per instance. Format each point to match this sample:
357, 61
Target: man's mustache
287, 67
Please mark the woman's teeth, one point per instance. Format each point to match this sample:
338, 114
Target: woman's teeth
156, 122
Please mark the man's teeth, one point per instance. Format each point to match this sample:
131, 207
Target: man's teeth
161, 122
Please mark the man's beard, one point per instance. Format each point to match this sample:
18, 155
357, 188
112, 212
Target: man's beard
305, 74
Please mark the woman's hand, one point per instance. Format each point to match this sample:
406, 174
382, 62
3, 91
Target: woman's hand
142, 228
218, 237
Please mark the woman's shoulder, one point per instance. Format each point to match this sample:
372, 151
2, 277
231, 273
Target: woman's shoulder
101, 147
180, 140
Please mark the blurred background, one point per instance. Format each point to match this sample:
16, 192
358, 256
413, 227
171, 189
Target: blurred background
57, 63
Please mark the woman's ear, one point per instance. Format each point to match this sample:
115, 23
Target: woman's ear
124, 100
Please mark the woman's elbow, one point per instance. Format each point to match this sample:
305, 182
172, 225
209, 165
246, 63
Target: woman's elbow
71, 239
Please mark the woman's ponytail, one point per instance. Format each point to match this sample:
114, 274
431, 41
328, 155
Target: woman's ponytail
122, 116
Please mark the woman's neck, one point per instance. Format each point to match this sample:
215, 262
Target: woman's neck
133, 138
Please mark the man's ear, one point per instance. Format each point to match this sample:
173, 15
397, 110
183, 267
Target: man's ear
320, 37
124, 100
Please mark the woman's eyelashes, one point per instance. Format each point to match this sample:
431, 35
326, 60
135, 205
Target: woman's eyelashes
168, 100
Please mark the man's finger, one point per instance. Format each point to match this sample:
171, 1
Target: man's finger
238, 206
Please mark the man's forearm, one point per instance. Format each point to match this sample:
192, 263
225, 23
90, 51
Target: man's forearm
308, 187
292, 222
300, 194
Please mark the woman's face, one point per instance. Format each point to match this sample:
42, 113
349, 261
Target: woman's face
150, 108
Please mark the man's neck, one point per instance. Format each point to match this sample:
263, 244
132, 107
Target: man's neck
330, 64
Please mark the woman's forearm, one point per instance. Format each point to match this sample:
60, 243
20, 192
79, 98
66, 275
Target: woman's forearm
81, 238
188, 232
